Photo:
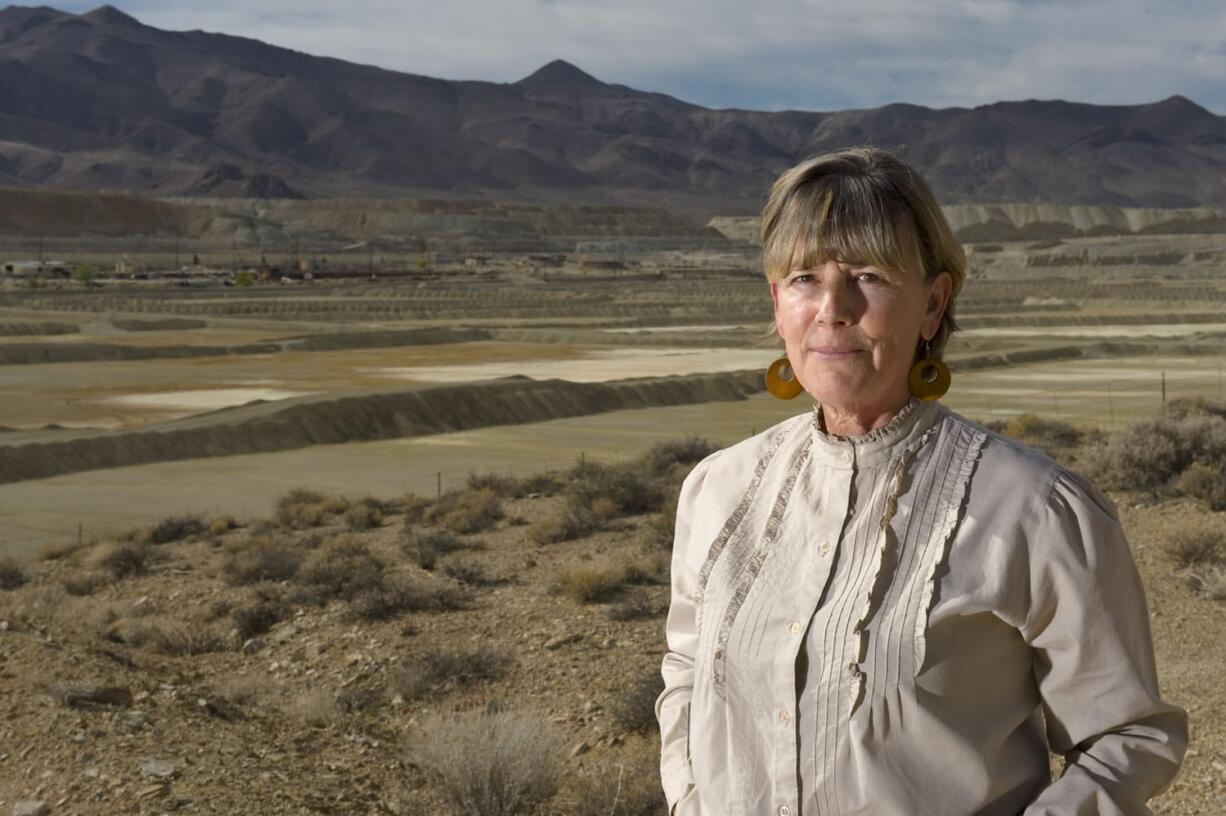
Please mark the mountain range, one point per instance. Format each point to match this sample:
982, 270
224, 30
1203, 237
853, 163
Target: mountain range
100, 101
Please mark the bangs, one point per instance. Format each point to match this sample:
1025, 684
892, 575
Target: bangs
845, 219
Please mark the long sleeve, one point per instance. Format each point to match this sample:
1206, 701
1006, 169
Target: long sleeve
1088, 625
673, 705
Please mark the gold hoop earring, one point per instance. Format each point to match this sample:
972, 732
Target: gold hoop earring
929, 378
781, 386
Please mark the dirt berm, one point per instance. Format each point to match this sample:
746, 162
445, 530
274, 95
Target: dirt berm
303, 421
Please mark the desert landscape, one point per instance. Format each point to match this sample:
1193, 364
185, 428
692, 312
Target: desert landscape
343, 410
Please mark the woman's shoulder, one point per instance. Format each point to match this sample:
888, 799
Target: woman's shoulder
1012, 471
729, 470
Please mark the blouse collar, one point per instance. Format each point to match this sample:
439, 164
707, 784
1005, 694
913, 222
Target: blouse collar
862, 450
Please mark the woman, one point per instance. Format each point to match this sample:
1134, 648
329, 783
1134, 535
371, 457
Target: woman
880, 607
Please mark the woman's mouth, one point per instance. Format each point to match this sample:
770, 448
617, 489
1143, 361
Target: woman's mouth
835, 353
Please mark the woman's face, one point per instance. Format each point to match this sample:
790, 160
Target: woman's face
851, 331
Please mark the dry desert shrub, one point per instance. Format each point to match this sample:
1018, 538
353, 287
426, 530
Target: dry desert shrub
470, 573
416, 676
609, 490
509, 487
1210, 580
635, 709
82, 584
466, 511
622, 786
122, 560
564, 525
302, 508
256, 619
221, 525
316, 707
59, 550
12, 575
176, 528
666, 458
392, 597
415, 507
1048, 435
592, 583
1192, 547
663, 525
363, 516
423, 547
495, 764
169, 637
242, 689
633, 607
341, 567
1149, 455
263, 558
1204, 482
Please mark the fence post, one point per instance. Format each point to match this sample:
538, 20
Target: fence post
1164, 393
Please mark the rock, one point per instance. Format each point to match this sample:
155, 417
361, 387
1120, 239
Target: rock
134, 720
157, 768
252, 646
561, 640
89, 696
30, 808
581, 748
4, 626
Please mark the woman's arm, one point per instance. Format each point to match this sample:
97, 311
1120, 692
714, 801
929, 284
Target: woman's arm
1094, 661
673, 704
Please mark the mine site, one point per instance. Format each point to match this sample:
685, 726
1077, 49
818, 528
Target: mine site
302, 455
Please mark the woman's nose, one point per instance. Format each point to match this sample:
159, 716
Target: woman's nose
837, 299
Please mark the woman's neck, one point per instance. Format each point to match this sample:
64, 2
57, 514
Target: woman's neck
857, 420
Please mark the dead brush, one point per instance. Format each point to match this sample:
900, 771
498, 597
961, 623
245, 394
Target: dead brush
262, 558
393, 597
417, 676
169, 637
626, 785
423, 547
1210, 580
495, 764
466, 511
1188, 548
122, 560
302, 508
12, 576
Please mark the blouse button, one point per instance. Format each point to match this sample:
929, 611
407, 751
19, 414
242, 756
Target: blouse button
783, 716
785, 811
794, 628
823, 547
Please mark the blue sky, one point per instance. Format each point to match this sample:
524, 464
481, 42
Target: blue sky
799, 54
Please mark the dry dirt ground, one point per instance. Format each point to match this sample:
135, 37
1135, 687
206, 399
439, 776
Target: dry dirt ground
322, 713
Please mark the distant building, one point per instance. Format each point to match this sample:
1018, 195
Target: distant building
58, 268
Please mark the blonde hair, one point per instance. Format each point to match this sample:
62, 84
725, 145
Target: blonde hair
861, 205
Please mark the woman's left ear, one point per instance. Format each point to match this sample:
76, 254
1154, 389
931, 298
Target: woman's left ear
938, 298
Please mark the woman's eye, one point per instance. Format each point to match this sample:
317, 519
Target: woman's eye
868, 277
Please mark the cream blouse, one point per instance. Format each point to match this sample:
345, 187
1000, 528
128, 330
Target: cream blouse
901, 623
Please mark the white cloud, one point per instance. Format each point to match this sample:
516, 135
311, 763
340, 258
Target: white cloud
808, 54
